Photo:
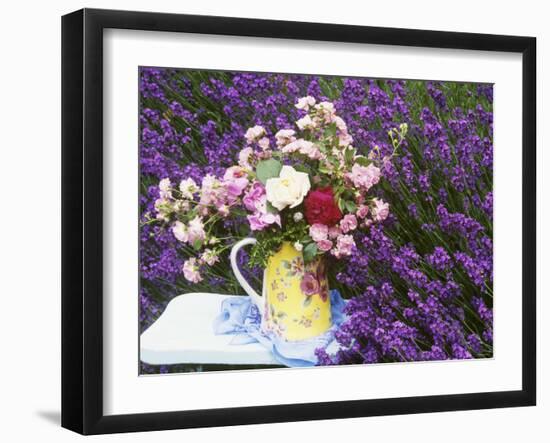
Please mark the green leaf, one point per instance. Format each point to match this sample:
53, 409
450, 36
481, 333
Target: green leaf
301, 168
270, 208
349, 154
362, 161
286, 264
307, 301
197, 245
267, 169
330, 130
351, 207
341, 204
310, 251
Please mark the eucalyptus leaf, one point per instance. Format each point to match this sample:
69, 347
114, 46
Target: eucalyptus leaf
267, 169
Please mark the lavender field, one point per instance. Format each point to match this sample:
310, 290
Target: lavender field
419, 283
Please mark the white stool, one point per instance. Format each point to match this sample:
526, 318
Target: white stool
184, 334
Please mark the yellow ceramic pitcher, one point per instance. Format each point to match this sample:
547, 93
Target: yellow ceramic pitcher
295, 301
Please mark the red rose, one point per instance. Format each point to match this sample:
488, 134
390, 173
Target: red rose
321, 207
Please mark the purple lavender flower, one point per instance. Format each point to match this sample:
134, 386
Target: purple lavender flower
420, 283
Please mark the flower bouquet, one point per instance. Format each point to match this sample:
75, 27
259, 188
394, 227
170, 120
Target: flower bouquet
304, 192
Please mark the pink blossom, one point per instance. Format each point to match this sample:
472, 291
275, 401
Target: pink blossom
324, 245
212, 191
303, 147
285, 136
254, 133
344, 246
180, 231
165, 189
191, 270
244, 157
364, 177
187, 188
209, 257
340, 124
344, 139
305, 123
235, 180
255, 201
348, 223
196, 230
311, 151
254, 198
381, 210
305, 102
326, 111
259, 221
223, 210
334, 231
318, 232
264, 143
362, 211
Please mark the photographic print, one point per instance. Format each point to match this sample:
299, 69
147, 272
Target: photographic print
292, 220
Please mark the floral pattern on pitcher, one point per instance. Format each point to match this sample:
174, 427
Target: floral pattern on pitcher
297, 295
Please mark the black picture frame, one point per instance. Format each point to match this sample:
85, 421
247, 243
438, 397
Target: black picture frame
82, 218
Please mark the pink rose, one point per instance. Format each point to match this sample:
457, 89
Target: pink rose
348, 223
363, 211
364, 177
381, 210
318, 232
334, 232
344, 246
324, 245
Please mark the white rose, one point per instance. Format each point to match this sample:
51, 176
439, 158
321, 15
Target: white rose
289, 189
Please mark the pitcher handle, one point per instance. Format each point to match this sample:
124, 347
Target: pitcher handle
256, 298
